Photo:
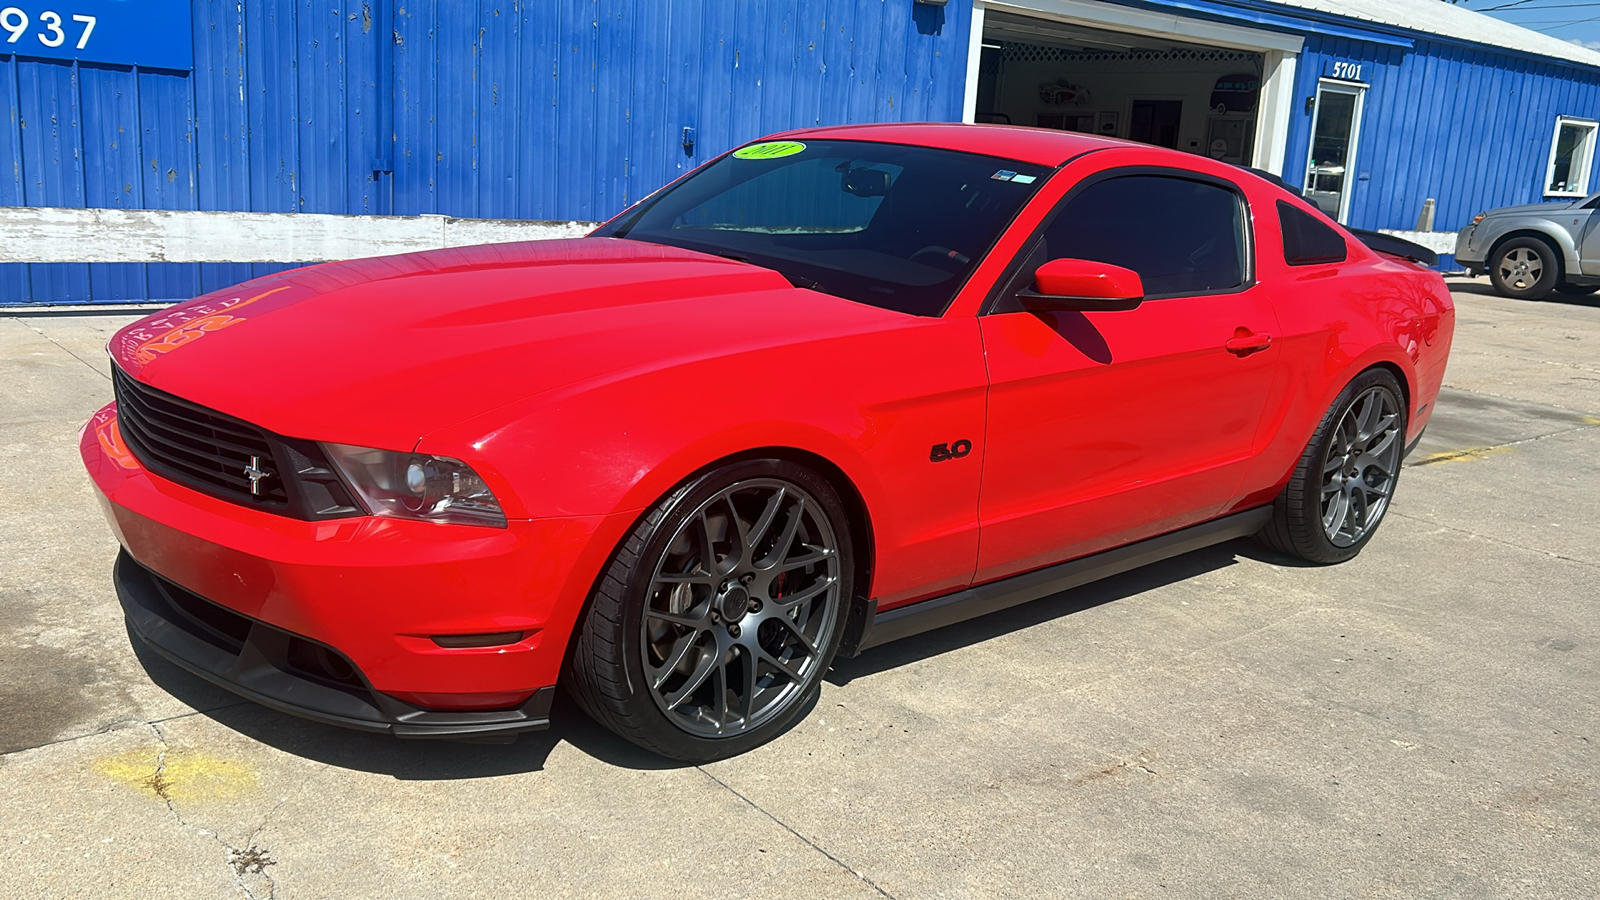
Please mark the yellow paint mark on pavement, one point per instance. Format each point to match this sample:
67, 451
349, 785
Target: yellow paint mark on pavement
181, 775
1591, 420
1467, 455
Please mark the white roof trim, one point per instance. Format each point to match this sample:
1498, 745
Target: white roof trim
1112, 17
1451, 21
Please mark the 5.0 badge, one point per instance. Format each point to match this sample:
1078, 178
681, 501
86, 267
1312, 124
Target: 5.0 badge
954, 450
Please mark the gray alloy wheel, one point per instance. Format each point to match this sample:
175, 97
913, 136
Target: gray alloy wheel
710, 630
1360, 466
1525, 269
740, 605
1342, 484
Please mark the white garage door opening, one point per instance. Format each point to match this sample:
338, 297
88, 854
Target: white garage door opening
1200, 87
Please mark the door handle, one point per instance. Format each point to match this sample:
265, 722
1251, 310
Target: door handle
1246, 344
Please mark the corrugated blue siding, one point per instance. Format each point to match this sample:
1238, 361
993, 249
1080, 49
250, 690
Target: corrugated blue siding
543, 109
1465, 126
573, 109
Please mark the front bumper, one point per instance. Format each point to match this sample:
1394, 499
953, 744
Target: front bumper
372, 592
1469, 253
287, 672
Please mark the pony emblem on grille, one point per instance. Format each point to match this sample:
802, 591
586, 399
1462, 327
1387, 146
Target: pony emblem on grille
255, 473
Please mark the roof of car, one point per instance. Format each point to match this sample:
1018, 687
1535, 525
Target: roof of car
1040, 146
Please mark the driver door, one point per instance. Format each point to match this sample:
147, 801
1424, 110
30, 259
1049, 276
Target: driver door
1109, 427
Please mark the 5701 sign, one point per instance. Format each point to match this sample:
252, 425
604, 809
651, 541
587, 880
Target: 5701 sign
156, 34
15, 22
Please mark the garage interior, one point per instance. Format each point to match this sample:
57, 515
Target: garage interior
1191, 97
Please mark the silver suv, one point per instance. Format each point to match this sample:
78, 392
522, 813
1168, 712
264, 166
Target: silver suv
1532, 250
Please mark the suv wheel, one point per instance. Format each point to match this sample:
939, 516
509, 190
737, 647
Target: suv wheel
1525, 269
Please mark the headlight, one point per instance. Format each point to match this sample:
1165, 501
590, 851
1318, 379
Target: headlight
417, 486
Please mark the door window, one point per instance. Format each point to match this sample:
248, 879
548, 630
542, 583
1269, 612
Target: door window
1182, 236
1156, 122
1335, 126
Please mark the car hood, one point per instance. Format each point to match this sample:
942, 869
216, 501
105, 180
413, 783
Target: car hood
380, 352
1535, 209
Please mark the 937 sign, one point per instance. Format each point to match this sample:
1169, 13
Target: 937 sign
154, 34
15, 21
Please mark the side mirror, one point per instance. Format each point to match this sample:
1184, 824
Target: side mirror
1081, 285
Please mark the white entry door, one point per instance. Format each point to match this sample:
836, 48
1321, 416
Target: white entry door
1335, 129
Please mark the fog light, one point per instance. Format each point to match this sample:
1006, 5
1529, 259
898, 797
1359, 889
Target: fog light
491, 639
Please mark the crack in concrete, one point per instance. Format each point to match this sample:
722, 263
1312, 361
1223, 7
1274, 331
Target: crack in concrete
119, 726
1475, 451
1544, 362
59, 346
785, 826
1468, 531
1522, 400
251, 860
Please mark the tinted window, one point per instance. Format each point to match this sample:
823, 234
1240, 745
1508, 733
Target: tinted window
894, 226
1306, 241
1181, 236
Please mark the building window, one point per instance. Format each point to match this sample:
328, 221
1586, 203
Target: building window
1571, 152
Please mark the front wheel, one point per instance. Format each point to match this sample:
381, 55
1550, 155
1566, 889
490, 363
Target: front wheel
711, 630
1525, 269
1346, 476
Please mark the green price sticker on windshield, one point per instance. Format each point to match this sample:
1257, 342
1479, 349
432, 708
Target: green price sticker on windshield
769, 150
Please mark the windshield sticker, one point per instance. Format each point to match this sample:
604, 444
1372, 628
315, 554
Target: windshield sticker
1003, 175
769, 150
1024, 179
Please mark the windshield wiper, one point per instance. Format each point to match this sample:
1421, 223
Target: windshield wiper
800, 282
796, 280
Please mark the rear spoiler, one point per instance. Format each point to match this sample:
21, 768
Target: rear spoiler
1383, 243
1393, 246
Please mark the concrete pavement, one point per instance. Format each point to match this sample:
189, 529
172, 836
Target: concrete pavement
1420, 721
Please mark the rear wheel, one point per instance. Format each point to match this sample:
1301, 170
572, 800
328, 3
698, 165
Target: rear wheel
1525, 269
1342, 485
711, 630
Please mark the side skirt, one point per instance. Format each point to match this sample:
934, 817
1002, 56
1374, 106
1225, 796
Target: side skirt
938, 612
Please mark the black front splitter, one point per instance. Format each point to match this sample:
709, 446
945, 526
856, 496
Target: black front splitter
260, 662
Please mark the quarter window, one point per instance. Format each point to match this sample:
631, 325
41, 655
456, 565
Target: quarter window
1571, 153
1307, 241
1181, 236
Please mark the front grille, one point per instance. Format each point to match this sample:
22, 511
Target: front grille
191, 444
217, 454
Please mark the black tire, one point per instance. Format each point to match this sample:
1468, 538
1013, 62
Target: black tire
1577, 290
1300, 514
1525, 268
620, 670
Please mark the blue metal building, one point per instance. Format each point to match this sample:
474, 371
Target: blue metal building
572, 110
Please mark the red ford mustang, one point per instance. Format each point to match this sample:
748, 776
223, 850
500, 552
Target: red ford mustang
829, 390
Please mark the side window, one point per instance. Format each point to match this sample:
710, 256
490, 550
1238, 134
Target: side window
1181, 236
1306, 241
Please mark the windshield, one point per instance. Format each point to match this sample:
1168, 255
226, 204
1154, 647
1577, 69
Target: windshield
893, 226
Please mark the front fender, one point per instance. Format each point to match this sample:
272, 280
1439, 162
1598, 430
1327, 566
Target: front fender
1555, 233
871, 404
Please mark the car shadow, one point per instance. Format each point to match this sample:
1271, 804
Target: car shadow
382, 754
1485, 289
434, 760
1118, 587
